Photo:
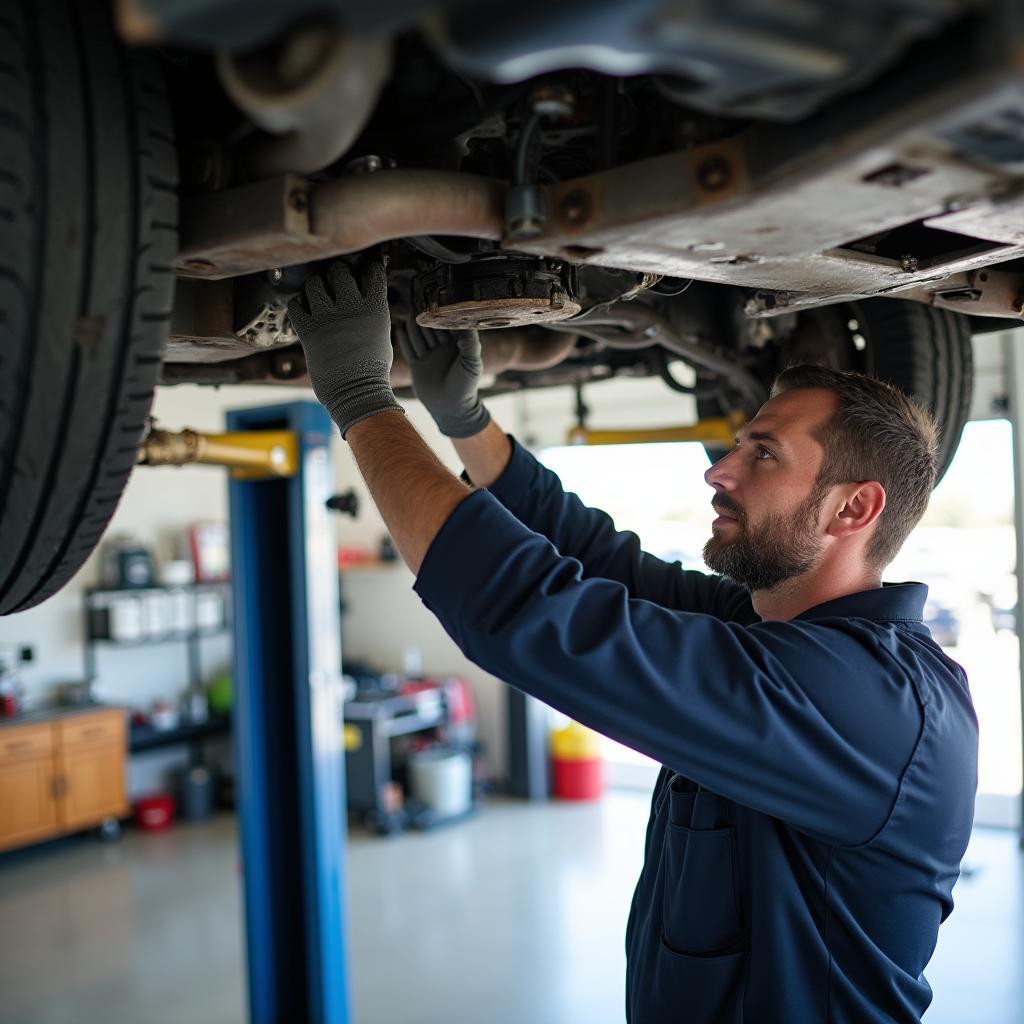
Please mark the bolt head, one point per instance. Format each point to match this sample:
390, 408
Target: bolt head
525, 227
576, 207
908, 263
275, 275
714, 173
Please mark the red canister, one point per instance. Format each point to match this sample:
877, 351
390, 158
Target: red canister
577, 772
154, 813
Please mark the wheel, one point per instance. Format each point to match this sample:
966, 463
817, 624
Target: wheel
926, 353
109, 830
88, 232
923, 351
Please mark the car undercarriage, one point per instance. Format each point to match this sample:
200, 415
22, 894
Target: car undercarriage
595, 224
702, 192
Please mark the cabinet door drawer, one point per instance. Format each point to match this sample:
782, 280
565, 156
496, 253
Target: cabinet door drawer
28, 811
94, 785
92, 730
25, 741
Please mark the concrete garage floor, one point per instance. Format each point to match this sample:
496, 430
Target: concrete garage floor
516, 916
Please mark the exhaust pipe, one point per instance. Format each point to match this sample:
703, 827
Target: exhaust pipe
509, 349
313, 92
355, 213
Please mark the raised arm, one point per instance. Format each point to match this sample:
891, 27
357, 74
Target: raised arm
446, 368
485, 454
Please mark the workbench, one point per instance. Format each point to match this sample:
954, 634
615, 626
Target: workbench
372, 721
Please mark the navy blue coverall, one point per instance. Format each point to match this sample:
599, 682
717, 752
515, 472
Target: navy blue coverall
819, 774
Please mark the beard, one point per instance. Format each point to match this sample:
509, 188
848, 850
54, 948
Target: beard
781, 547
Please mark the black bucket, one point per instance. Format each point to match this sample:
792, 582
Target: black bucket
195, 786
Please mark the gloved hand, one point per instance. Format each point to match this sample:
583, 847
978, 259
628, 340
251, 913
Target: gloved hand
446, 368
346, 335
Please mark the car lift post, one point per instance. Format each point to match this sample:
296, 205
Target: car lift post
1014, 364
288, 727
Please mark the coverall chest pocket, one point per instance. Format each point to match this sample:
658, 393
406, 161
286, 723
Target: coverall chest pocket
701, 903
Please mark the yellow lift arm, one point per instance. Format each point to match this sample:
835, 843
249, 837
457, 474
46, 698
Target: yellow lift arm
250, 454
717, 431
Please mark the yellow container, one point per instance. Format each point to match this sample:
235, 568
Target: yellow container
575, 743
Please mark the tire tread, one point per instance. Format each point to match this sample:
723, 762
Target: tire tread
109, 387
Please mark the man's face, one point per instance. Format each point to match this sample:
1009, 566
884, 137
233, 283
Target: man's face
769, 505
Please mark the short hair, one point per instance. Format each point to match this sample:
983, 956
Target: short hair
877, 432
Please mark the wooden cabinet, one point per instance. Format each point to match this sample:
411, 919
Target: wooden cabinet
60, 775
28, 785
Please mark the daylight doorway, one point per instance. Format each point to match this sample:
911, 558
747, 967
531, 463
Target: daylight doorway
964, 549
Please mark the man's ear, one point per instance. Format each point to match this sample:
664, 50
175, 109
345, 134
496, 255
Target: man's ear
861, 504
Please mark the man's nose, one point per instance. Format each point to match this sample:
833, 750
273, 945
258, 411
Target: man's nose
720, 474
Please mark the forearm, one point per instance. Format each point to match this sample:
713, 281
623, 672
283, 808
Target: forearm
485, 455
413, 491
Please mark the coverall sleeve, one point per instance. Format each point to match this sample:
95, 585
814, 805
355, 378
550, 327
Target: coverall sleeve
535, 496
810, 722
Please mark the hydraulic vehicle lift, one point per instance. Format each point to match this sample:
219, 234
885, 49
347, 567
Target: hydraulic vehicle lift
288, 725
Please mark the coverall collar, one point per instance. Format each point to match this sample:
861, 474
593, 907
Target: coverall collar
890, 601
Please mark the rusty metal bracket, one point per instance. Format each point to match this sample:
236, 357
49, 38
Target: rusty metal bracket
287, 220
243, 230
988, 292
250, 455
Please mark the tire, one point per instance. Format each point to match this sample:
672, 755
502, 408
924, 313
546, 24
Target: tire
925, 352
88, 233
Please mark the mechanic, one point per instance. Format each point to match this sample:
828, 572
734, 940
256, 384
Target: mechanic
819, 748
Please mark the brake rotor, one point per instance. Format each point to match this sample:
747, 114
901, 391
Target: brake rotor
496, 291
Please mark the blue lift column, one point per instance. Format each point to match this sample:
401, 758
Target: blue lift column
288, 728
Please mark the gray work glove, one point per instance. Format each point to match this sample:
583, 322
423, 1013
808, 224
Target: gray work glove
346, 335
446, 368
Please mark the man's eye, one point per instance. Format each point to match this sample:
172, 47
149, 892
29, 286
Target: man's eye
763, 453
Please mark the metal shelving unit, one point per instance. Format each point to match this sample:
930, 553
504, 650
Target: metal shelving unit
95, 599
145, 738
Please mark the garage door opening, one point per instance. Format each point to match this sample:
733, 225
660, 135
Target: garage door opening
964, 549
